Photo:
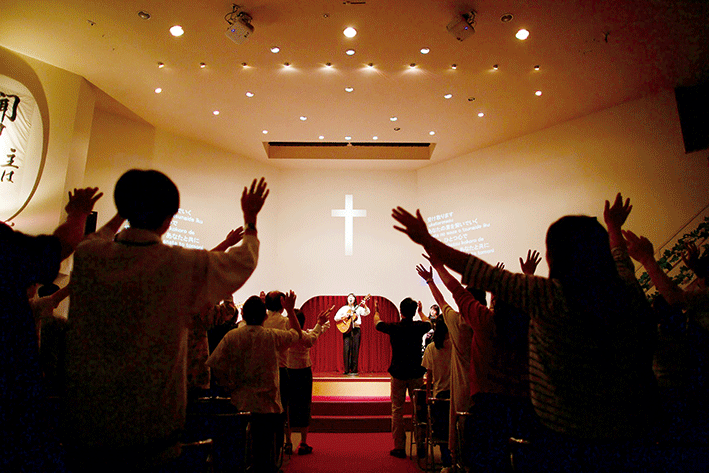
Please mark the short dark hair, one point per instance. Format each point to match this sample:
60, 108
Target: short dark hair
254, 311
273, 301
301, 317
408, 308
146, 198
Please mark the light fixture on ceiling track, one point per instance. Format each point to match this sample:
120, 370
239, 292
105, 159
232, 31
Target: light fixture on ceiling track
240, 27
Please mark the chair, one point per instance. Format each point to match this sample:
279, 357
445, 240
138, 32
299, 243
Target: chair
436, 428
419, 420
197, 457
461, 418
217, 419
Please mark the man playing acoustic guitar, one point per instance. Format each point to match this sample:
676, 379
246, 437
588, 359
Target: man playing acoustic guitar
349, 319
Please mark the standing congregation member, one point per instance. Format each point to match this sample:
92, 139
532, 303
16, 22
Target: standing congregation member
300, 373
24, 261
405, 369
246, 363
590, 341
132, 303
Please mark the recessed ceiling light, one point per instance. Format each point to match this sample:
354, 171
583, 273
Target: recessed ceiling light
265, 132
538, 93
249, 94
244, 65
328, 64
350, 52
275, 49
375, 138
321, 137
431, 132
158, 90
481, 114
144, 15
393, 119
349, 89
412, 65
495, 67
506, 18
202, 65
177, 31
348, 138
286, 64
161, 65
303, 118
471, 99
350, 32
216, 112
425, 50
454, 66
397, 129
447, 96
536, 68
522, 34
370, 65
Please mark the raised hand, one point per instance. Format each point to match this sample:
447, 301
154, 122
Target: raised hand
234, 236
252, 200
426, 275
82, 200
690, 256
615, 215
639, 248
324, 316
500, 265
288, 302
529, 266
414, 227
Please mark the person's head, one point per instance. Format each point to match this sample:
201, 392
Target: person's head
351, 299
301, 317
408, 308
578, 249
147, 199
479, 294
440, 332
434, 311
254, 311
273, 301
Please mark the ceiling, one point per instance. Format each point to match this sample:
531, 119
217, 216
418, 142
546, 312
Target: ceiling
591, 55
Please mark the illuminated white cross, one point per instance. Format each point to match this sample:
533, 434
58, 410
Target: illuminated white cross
349, 213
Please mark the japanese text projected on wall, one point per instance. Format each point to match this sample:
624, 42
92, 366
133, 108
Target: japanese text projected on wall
462, 233
184, 230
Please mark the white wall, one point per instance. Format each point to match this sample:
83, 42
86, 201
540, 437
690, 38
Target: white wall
523, 185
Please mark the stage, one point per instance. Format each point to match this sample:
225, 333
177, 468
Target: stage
344, 403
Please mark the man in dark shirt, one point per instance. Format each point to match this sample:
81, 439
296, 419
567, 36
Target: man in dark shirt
405, 368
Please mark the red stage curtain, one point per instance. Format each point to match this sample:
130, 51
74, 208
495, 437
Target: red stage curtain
374, 350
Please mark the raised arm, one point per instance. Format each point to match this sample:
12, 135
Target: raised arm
641, 250
615, 216
427, 275
252, 201
288, 302
80, 205
415, 228
233, 238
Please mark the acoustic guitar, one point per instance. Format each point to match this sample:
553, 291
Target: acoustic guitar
345, 325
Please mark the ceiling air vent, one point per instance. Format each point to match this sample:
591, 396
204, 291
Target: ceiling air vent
348, 150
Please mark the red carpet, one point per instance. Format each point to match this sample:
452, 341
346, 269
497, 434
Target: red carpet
363, 453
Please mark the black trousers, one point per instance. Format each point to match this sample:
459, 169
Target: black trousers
350, 349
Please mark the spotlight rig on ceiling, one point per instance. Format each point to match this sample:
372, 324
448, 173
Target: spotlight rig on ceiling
240, 27
462, 26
